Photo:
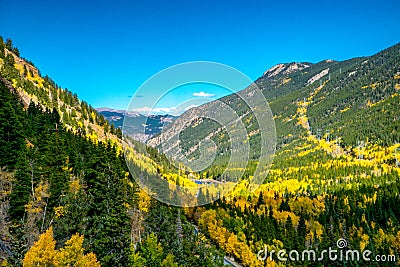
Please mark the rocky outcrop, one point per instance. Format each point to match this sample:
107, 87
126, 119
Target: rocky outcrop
285, 69
318, 76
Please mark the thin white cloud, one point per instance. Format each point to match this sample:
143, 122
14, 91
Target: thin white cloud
203, 94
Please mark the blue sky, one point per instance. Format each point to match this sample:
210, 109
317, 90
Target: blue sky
104, 50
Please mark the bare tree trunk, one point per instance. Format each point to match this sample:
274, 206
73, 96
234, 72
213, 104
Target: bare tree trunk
136, 218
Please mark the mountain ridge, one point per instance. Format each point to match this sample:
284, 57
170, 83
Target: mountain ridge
286, 91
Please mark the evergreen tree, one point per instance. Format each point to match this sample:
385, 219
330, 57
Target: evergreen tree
11, 134
22, 187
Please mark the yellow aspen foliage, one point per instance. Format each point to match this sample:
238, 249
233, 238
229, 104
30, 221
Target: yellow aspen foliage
72, 254
382, 238
312, 207
396, 242
230, 245
20, 68
314, 230
364, 241
93, 115
74, 186
144, 201
43, 252
281, 217
346, 201
227, 240
374, 197
59, 211
14, 83
363, 219
89, 260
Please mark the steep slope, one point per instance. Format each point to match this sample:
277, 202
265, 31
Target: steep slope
76, 115
65, 187
338, 96
336, 172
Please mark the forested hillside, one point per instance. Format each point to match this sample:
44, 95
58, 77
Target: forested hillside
336, 170
67, 197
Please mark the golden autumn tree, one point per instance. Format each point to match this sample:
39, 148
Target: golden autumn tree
72, 254
43, 253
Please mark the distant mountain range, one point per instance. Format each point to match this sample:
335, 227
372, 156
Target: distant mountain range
140, 127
